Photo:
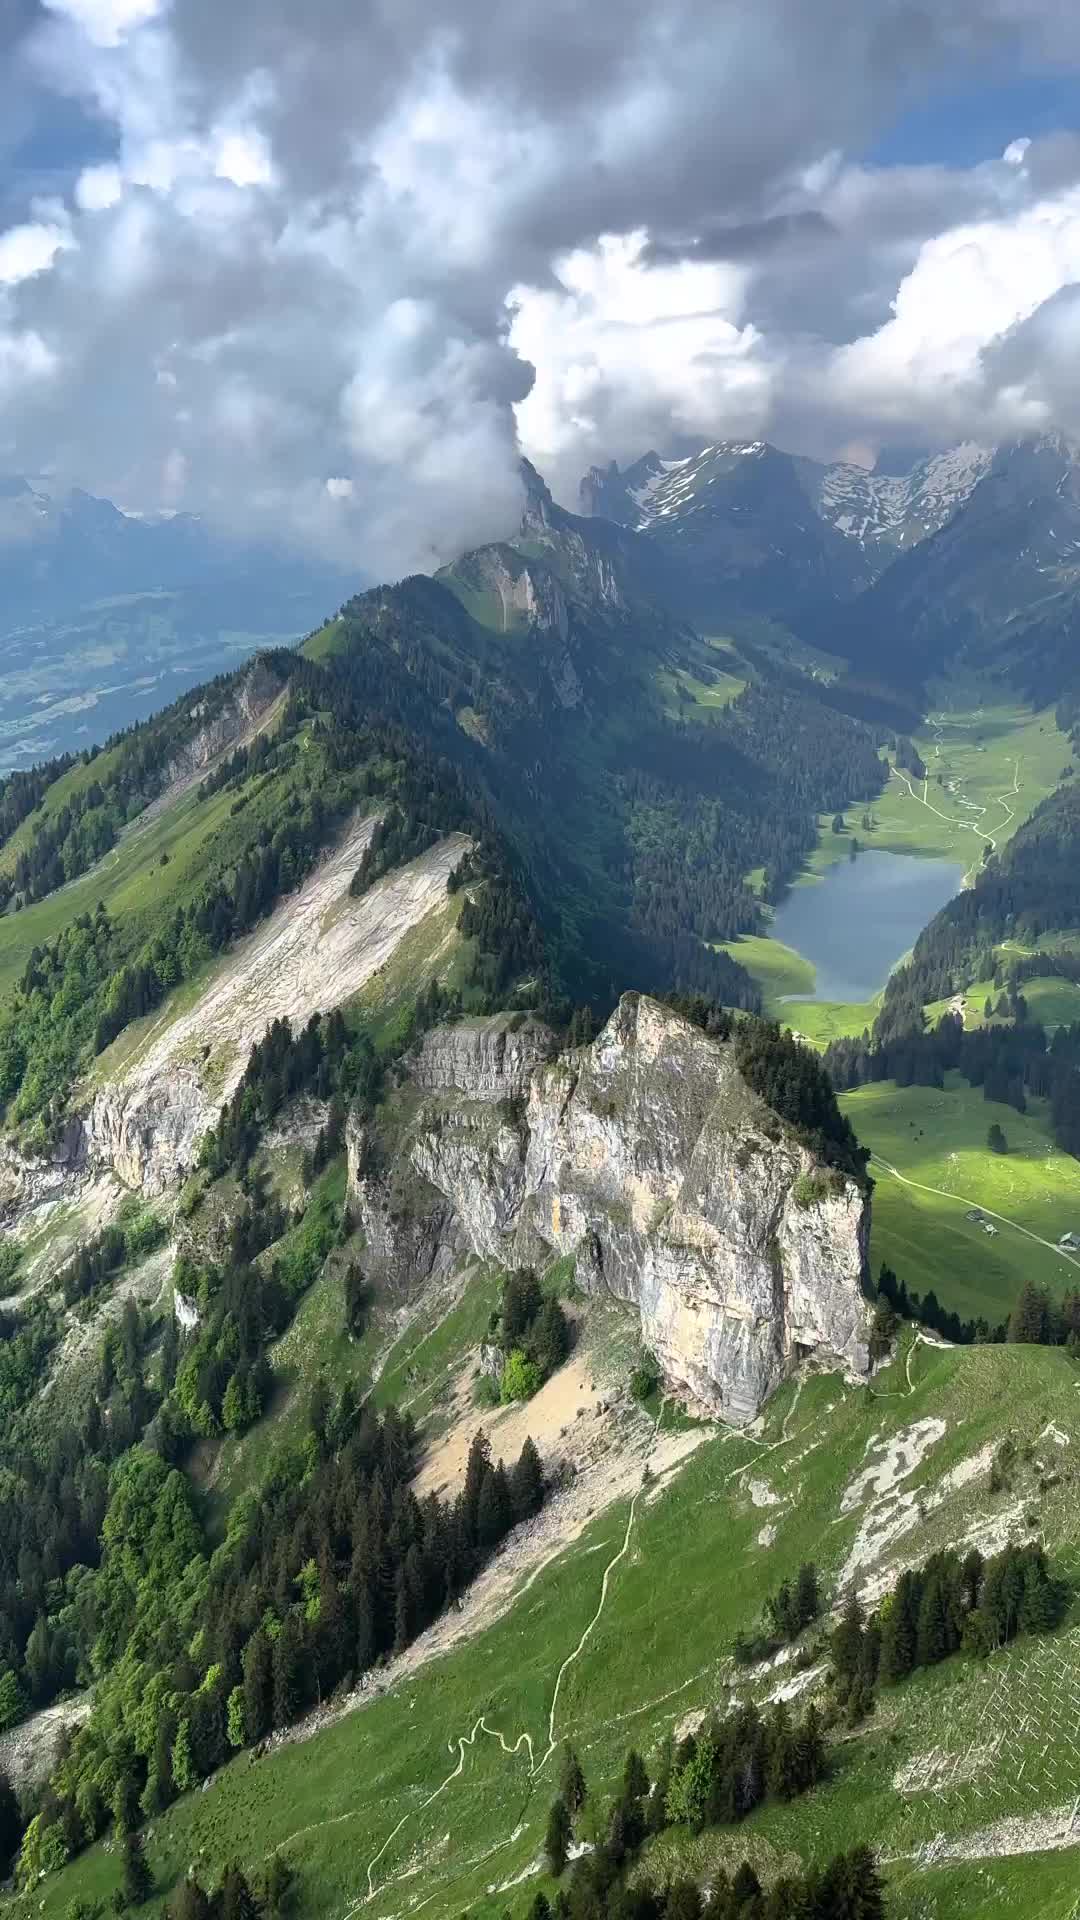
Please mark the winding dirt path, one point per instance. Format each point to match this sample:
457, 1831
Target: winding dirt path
579, 1649
997, 800
965, 1201
465, 1740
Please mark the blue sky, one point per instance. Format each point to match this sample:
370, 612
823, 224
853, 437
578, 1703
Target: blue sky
973, 117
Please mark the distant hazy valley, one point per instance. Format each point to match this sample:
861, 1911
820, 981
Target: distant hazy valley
105, 617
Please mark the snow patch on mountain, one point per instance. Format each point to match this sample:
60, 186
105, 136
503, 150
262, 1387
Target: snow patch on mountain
895, 510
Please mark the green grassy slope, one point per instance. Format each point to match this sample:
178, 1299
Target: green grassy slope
937, 1139
416, 1801
131, 880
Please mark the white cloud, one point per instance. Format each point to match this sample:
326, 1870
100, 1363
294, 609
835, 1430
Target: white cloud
243, 157
107, 22
99, 188
30, 249
626, 353
337, 239
24, 358
968, 288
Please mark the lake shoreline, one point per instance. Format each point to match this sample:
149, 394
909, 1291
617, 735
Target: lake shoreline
861, 919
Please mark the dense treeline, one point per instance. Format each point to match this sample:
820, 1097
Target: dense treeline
28, 1333
896, 1302
710, 804
1009, 1061
265, 1896
792, 1079
327, 1058
215, 1380
789, 1077
239, 766
224, 1377
53, 1499
787, 1613
714, 1777
334, 1566
948, 1603
1038, 1319
136, 1234
847, 1887
23, 790
532, 1333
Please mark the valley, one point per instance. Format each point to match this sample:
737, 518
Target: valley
455, 1308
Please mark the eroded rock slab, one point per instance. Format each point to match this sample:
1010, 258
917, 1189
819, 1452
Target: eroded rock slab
648, 1158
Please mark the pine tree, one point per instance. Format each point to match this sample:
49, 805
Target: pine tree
571, 1781
277, 1882
781, 1764
656, 1808
527, 1483
364, 1644
125, 1805
402, 1623
746, 1886
477, 1469
635, 1780
1040, 1604
235, 1723
10, 1825
899, 1630
493, 1514
189, 1902
930, 1642
288, 1671
971, 1574
683, 1901
137, 1878
258, 1665
1028, 1318
549, 1338
807, 1601
235, 1899
558, 1836
183, 1766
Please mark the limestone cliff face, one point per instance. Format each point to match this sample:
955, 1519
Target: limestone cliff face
147, 1128
675, 1187
485, 1059
230, 727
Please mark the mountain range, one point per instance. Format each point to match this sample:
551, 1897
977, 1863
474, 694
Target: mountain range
966, 554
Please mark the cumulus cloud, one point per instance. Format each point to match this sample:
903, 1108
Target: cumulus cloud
324, 270
30, 249
629, 352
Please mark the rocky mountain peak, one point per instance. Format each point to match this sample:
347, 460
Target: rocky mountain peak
647, 1158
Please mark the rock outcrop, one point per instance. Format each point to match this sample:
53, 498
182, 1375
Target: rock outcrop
647, 1158
485, 1059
